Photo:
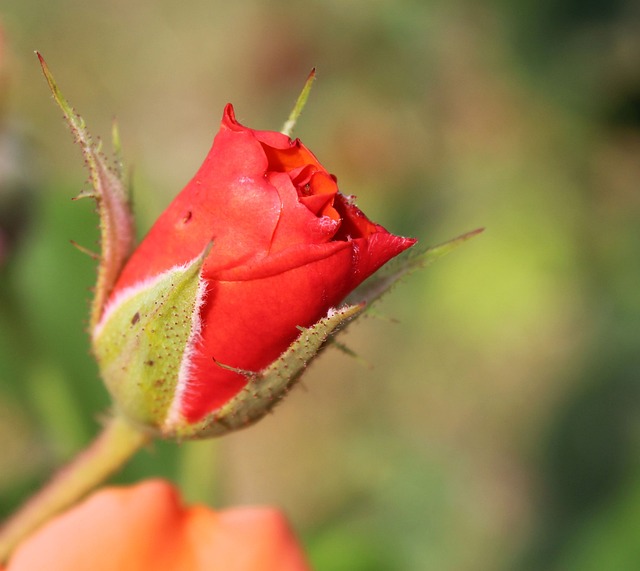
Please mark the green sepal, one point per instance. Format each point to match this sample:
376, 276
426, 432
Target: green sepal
117, 230
405, 264
266, 388
142, 340
290, 123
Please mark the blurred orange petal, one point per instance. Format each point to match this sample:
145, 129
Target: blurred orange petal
145, 527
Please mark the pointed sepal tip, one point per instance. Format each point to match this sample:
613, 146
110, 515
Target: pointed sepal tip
117, 232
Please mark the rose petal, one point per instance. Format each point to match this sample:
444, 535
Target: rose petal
145, 527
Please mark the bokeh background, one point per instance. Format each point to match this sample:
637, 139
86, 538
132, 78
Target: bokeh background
492, 421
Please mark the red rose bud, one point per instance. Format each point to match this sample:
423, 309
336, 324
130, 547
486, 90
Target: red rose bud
259, 246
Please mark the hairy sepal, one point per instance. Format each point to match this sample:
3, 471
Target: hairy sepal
145, 340
266, 388
117, 231
413, 259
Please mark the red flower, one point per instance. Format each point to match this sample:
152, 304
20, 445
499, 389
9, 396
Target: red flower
145, 527
287, 247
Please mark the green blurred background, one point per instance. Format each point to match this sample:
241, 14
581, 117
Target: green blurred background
495, 422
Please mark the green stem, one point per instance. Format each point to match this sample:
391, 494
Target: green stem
118, 441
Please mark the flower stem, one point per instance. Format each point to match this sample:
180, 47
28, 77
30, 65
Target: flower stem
118, 441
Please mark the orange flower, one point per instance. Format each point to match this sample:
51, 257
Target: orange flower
145, 527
